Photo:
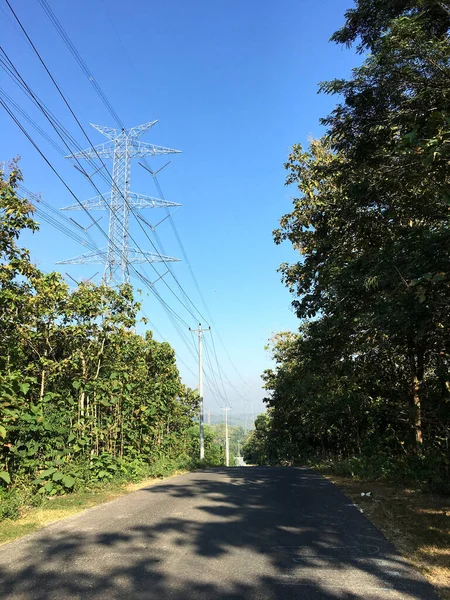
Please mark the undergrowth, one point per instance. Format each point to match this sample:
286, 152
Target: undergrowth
425, 473
27, 494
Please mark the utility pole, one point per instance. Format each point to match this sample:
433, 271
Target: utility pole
200, 332
227, 443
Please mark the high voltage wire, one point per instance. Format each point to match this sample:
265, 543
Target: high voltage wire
103, 164
208, 360
77, 200
166, 306
224, 396
58, 215
51, 15
47, 113
158, 186
40, 106
104, 99
54, 223
64, 230
173, 275
31, 121
213, 373
154, 328
183, 251
161, 194
225, 375
54, 19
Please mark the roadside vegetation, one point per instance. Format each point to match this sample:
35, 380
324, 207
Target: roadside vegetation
85, 401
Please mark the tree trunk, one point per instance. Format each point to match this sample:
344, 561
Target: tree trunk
416, 363
41, 393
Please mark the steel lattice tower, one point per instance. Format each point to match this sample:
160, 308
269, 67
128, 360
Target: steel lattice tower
123, 145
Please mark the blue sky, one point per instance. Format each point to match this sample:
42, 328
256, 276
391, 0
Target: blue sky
233, 85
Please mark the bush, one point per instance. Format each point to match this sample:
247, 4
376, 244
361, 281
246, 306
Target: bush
10, 504
430, 472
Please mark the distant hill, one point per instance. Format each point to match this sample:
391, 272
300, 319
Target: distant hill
245, 420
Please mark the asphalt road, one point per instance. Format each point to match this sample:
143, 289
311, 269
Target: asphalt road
223, 534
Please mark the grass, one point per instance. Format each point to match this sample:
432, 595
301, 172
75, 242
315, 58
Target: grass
61, 507
417, 523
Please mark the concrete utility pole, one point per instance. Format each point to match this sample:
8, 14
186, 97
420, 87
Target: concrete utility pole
199, 332
227, 443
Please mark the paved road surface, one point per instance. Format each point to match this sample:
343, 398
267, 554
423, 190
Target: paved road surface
224, 534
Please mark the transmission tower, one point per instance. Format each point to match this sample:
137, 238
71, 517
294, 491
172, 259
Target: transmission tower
123, 145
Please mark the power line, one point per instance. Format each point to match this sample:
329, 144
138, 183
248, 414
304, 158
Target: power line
213, 375
51, 15
224, 395
173, 225
52, 221
184, 254
31, 121
78, 201
101, 94
43, 109
60, 29
77, 238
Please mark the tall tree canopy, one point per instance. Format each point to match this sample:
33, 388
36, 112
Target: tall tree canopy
371, 225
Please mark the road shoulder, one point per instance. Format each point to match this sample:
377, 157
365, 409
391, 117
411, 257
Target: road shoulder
416, 523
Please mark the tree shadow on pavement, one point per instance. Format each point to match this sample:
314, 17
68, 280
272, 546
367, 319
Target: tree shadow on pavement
223, 534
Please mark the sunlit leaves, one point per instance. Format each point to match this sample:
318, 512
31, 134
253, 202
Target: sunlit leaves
370, 222
81, 395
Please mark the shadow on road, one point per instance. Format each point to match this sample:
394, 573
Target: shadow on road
240, 533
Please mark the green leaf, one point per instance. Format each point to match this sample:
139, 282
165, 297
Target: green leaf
47, 472
5, 476
2, 431
57, 476
68, 481
24, 387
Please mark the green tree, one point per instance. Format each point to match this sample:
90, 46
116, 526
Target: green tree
258, 449
371, 225
83, 398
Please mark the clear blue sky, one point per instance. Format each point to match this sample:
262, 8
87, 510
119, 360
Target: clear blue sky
234, 85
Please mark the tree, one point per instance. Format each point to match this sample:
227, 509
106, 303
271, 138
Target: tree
257, 449
82, 397
371, 225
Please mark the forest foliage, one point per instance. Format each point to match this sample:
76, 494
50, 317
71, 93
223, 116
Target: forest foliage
83, 397
366, 378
